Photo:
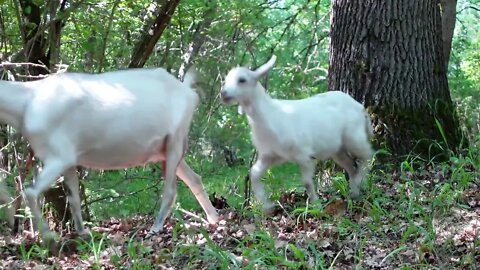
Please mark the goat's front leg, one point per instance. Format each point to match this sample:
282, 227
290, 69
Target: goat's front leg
71, 184
256, 172
343, 159
307, 168
194, 182
51, 170
356, 181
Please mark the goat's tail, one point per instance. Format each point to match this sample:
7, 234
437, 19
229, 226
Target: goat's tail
191, 80
368, 127
190, 77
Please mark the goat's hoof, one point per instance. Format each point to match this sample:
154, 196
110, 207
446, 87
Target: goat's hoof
152, 233
355, 196
85, 235
213, 219
50, 236
272, 210
50, 241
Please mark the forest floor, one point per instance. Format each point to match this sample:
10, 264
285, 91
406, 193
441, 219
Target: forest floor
426, 218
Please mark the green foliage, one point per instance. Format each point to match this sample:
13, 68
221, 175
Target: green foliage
402, 211
464, 66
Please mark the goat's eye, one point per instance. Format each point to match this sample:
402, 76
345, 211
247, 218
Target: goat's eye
242, 80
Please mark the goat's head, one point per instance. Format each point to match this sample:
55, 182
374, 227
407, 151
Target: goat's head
241, 83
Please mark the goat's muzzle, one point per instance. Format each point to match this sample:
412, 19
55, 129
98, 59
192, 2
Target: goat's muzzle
226, 99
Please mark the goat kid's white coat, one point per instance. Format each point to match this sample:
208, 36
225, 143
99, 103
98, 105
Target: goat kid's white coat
107, 121
324, 126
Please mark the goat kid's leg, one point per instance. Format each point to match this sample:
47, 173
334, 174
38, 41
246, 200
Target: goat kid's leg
256, 172
194, 182
46, 179
71, 184
308, 170
173, 157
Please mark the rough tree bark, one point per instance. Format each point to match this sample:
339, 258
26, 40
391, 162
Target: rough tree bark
152, 32
389, 55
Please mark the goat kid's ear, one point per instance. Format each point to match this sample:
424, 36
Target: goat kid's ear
240, 110
263, 69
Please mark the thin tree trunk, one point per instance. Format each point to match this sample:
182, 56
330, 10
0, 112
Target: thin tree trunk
389, 55
449, 18
152, 32
105, 36
198, 39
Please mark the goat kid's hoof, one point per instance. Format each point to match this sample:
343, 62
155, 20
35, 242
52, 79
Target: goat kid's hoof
85, 236
355, 196
214, 220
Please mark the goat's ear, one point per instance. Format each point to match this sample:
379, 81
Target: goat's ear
263, 69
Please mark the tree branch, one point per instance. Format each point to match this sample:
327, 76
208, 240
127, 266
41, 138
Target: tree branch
151, 33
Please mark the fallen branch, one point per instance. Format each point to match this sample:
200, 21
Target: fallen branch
118, 196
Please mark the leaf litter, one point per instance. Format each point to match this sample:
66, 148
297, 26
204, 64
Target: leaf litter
374, 233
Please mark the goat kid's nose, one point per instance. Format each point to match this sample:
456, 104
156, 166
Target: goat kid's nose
223, 93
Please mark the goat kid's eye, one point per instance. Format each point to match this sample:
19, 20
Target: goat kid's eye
242, 80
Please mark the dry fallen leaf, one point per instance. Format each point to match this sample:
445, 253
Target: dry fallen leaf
280, 244
336, 208
250, 228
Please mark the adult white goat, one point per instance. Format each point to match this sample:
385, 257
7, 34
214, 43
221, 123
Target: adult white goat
328, 125
106, 121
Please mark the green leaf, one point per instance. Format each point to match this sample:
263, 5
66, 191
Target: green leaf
28, 10
297, 252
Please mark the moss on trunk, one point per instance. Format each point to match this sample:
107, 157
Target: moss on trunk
428, 132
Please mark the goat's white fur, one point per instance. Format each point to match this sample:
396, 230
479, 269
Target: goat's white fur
328, 125
106, 121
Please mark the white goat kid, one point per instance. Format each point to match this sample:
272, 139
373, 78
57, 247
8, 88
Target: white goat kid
106, 121
328, 125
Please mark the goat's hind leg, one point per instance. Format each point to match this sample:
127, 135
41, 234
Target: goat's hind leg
194, 182
308, 170
174, 152
51, 170
71, 185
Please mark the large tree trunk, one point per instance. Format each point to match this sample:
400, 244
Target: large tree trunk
34, 38
389, 55
152, 31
